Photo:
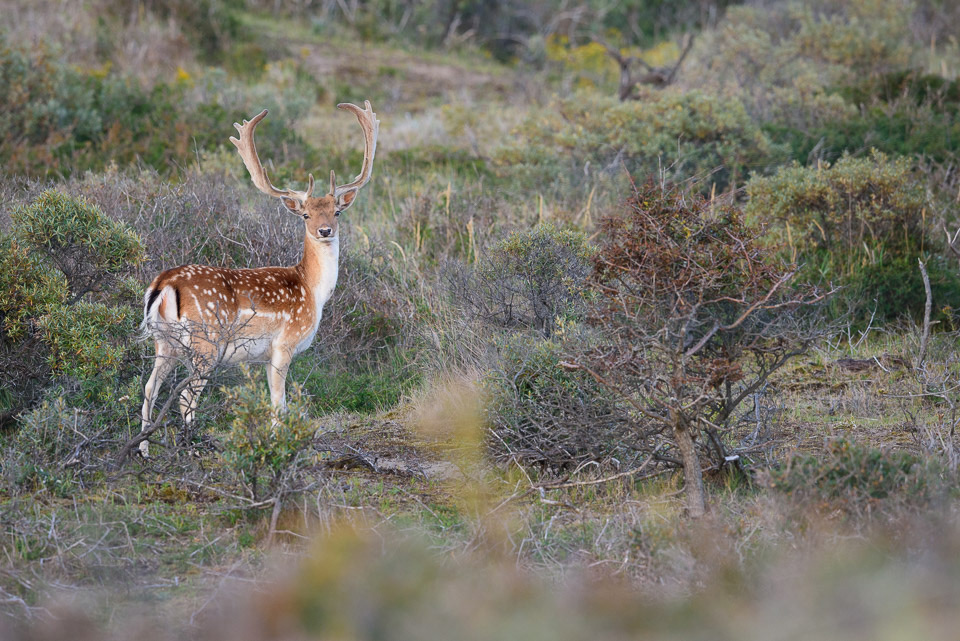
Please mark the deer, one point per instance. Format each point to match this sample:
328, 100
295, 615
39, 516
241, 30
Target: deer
207, 317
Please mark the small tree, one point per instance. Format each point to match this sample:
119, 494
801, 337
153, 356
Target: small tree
697, 314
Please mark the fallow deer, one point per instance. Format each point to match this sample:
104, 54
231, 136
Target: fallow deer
211, 316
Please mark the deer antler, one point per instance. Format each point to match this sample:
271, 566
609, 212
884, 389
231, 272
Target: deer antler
371, 127
248, 151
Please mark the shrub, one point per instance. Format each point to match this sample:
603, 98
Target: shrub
858, 223
63, 120
902, 113
266, 450
782, 58
839, 208
695, 316
530, 279
37, 453
691, 133
541, 414
91, 250
63, 302
210, 24
848, 470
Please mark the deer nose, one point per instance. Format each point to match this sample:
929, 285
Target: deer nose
325, 231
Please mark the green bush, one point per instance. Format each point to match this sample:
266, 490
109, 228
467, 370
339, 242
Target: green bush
858, 223
857, 472
911, 86
894, 288
36, 454
901, 113
366, 388
210, 25
689, 134
64, 305
531, 279
874, 201
60, 120
265, 450
781, 58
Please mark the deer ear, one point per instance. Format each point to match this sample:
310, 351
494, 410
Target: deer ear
292, 204
346, 199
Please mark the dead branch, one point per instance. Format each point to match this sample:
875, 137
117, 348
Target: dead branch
926, 314
658, 77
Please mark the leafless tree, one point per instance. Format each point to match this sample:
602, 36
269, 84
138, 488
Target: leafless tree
697, 315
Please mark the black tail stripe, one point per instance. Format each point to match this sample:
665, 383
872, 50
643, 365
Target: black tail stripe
176, 293
152, 298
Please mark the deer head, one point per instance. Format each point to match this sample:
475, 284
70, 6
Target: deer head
319, 214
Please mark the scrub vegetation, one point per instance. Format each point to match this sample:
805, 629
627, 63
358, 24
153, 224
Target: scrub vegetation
646, 325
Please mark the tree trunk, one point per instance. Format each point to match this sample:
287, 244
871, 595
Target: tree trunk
692, 474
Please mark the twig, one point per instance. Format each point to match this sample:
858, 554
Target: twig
926, 314
606, 479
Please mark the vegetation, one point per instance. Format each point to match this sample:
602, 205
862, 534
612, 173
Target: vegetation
861, 223
602, 346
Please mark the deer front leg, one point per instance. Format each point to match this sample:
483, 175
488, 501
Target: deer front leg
277, 379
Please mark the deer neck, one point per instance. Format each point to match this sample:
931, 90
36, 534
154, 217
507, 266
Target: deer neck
319, 267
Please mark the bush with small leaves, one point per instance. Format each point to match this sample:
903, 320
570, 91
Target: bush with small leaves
780, 59
691, 134
846, 470
40, 454
531, 279
267, 450
64, 296
860, 223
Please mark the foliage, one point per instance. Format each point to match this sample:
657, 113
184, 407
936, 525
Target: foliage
859, 222
356, 387
541, 414
691, 134
35, 455
266, 449
210, 24
770, 54
530, 279
695, 315
87, 339
63, 120
904, 113
855, 472
59, 311
907, 85
90, 249
839, 208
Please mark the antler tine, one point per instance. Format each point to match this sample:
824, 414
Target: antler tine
333, 182
248, 152
371, 128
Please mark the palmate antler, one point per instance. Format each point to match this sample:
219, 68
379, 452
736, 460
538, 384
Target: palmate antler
371, 128
248, 151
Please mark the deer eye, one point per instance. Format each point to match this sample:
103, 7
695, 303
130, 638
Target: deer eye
306, 216
336, 213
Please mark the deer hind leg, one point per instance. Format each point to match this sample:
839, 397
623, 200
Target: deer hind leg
204, 357
164, 364
188, 400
